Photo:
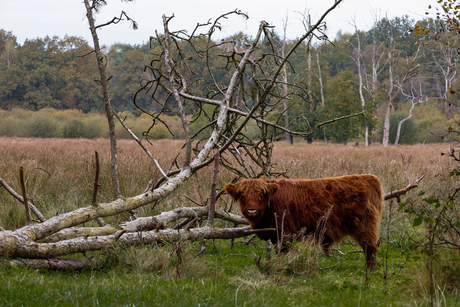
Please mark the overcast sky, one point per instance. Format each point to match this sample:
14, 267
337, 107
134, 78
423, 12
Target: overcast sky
29, 19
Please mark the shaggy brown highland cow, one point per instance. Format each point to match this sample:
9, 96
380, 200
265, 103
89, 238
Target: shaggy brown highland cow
332, 207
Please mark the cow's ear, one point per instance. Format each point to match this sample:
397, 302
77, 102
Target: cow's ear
272, 188
230, 188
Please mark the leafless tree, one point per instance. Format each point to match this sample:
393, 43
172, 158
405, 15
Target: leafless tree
396, 80
416, 97
445, 57
252, 94
289, 138
358, 59
93, 7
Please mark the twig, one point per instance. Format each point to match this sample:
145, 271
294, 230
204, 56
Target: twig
198, 189
99, 220
332, 266
203, 247
270, 249
250, 240
118, 234
96, 179
193, 223
195, 202
24, 195
212, 204
116, 20
122, 122
235, 255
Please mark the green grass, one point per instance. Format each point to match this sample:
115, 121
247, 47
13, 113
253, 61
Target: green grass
154, 277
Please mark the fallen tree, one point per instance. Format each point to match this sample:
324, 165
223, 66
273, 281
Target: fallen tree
255, 92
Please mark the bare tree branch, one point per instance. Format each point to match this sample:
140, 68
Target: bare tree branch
397, 193
13, 193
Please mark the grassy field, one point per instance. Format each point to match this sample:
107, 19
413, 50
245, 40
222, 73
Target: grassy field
60, 177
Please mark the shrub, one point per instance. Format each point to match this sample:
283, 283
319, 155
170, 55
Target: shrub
41, 126
160, 132
11, 126
96, 126
75, 129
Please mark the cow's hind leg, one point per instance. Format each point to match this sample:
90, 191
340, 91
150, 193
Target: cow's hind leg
326, 244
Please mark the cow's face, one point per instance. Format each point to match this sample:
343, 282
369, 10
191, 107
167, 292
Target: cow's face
253, 196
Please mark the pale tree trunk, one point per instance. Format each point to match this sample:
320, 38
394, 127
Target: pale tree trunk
309, 61
386, 124
321, 89
289, 138
410, 74
320, 79
376, 59
108, 107
358, 62
391, 97
398, 131
288, 135
416, 98
394, 81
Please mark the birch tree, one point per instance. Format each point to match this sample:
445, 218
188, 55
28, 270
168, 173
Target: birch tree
358, 59
91, 9
416, 97
289, 138
396, 78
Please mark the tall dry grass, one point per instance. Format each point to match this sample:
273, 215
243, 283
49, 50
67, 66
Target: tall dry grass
60, 172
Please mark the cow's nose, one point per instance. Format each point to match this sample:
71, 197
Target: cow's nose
252, 212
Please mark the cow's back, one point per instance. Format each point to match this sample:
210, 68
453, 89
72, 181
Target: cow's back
343, 205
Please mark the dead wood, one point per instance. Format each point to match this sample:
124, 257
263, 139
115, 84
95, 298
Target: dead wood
397, 193
56, 264
76, 232
24, 196
163, 219
234, 105
13, 244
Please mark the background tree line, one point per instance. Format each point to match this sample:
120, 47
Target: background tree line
391, 71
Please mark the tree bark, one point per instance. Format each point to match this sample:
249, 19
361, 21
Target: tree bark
288, 135
386, 124
361, 81
320, 79
107, 104
18, 246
